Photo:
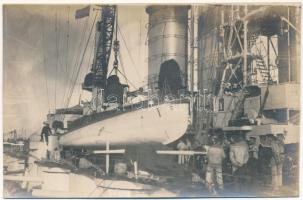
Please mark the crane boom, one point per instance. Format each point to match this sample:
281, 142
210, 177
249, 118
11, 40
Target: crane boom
104, 37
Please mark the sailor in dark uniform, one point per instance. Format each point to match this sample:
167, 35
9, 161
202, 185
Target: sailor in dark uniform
46, 131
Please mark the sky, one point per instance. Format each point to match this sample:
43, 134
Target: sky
40, 61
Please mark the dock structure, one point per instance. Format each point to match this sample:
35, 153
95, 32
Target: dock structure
248, 56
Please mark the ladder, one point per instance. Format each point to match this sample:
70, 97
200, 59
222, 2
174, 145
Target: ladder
262, 68
260, 63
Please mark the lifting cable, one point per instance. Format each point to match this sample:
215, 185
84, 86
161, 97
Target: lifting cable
82, 58
126, 79
122, 66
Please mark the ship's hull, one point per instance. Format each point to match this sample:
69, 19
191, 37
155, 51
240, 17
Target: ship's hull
163, 123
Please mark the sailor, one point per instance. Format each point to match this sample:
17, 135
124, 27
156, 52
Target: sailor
253, 147
238, 152
264, 156
188, 148
56, 154
181, 147
46, 131
280, 140
276, 161
215, 157
253, 162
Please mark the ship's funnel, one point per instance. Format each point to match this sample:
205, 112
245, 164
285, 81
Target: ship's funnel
167, 40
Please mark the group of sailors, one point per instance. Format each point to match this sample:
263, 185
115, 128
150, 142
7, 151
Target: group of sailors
240, 159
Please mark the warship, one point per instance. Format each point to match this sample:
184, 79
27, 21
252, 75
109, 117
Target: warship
224, 70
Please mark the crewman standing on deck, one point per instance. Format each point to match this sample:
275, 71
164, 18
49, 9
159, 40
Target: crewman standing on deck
181, 147
253, 147
276, 162
238, 152
215, 157
45, 132
188, 148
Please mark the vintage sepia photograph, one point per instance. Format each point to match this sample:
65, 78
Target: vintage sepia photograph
151, 100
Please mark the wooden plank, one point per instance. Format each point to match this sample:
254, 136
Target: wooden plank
22, 178
115, 151
13, 144
237, 128
182, 152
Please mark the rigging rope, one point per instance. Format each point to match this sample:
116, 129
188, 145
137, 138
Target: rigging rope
44, 63
74, 60
87, 68
92, 51
82, 58
67, 40
67, 54
128, 51
57, 56
90, 58
140, 36
70, 91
